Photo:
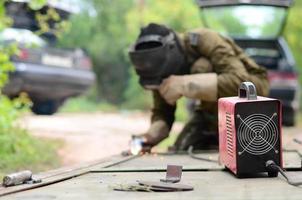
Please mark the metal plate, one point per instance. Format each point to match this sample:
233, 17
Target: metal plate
159, 162
207, 185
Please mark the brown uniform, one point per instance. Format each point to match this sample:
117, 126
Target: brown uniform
208, 52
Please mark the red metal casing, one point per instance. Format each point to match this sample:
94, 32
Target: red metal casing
229, 114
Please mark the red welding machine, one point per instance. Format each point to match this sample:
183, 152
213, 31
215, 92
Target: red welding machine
249, 132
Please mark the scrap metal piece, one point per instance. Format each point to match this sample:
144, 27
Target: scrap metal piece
173, 174
138, 188
33, 181
191, 154
171, 186
17, 178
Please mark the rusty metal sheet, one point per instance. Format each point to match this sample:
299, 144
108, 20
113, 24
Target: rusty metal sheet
207, 185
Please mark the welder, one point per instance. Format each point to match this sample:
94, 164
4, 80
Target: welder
199, 64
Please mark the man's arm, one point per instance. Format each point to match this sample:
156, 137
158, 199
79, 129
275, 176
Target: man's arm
161, 120
231, 71
226, 64
162, 111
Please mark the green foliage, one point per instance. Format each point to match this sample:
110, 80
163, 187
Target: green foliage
293, 32
108, 35
177, 14
6, 66
103, 36
4, 20
224, 21
60, 26
36, 4
136, 97
84, 104
17, 148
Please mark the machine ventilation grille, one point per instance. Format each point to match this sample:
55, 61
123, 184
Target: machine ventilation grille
229, 134
257, 134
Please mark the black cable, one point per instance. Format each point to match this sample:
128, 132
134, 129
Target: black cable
273, 167
191, 154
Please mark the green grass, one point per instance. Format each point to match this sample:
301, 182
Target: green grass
299, 120
181, 114
83, 104
20, 151
168, 141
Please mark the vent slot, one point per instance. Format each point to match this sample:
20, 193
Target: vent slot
229, 135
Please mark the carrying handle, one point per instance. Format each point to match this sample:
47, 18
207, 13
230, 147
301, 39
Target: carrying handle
247, 90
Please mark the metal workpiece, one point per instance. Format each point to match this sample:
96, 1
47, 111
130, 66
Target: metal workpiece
17, 178
173, 174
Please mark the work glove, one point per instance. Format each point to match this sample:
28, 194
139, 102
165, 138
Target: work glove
196, 86
157, 132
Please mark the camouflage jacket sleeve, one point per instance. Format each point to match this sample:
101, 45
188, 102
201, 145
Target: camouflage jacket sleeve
225, 61
162, 110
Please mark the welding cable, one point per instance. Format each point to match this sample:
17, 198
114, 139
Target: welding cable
191, 154
273, 167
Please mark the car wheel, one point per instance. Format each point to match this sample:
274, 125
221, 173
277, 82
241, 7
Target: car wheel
47, 107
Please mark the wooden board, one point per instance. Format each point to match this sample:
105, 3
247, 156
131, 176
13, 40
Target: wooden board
207, 185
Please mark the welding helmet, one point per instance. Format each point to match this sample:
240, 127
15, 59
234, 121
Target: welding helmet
156, 54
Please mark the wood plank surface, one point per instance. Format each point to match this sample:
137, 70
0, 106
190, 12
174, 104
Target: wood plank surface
62, 174
159, 162
140, 167
207, 185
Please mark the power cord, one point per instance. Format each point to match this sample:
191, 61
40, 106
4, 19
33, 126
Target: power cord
191, 154
273, 167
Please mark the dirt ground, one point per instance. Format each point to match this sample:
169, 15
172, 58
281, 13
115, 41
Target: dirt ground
91, 136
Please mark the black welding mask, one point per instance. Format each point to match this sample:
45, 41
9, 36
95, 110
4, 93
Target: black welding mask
156, 55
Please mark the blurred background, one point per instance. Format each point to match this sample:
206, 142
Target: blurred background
70, 95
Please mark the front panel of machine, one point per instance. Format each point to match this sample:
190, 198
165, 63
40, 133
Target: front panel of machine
258, 135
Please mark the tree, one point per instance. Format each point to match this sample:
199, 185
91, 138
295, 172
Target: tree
293, 32
103, 36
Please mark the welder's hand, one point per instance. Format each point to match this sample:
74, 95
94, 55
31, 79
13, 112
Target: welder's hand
158, 131
171, 89
140, 144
